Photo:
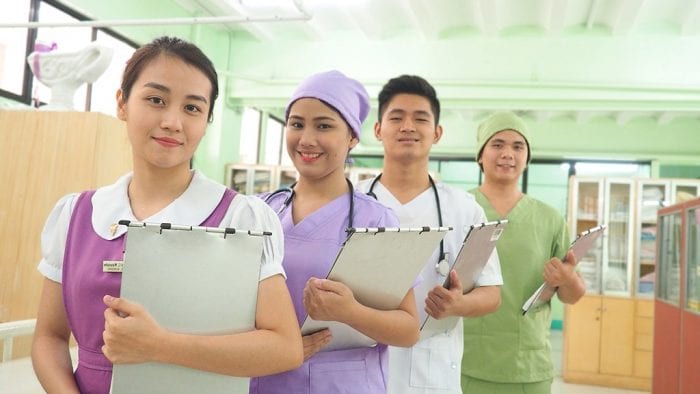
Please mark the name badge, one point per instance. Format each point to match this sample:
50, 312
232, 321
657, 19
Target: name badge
496, 234
112, 266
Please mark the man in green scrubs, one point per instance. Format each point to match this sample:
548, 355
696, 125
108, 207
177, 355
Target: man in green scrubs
506, 351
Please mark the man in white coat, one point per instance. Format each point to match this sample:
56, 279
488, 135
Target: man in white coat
408, 126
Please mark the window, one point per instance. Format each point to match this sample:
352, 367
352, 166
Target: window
461, 174
250, 135
613, 169
13, 49
68, 39
274, 144
549, 182
105, 88
17, 81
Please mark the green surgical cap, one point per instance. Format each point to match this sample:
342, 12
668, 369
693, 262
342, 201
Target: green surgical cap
497, 122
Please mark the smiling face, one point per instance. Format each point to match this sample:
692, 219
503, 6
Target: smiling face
504, 157
407, 128
318, 139
166, 112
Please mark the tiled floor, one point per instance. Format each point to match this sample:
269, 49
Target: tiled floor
17, 377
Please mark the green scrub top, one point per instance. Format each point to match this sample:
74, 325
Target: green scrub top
506, 346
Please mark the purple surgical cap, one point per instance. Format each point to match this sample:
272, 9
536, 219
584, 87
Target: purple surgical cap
345, 95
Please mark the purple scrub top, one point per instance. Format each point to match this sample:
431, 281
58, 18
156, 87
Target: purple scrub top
310, 248
84, 284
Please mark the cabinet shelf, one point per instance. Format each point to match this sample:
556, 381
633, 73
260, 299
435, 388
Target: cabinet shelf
587, 217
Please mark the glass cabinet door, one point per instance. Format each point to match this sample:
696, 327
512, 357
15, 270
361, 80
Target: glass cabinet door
287, 177
684, 190
669, 258
651, 195
262, 180
617, 272
586, 214
238, 179
692, 258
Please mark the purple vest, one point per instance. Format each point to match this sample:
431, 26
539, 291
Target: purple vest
84, 285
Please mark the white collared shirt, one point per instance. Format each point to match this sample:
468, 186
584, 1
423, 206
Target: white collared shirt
433, 364
111, 204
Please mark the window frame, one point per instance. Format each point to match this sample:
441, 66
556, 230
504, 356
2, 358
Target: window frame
34, 10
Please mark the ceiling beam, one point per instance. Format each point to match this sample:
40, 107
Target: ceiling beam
627, 16
556, 10
486, 17
624, 117
691, 19
590, 21
371, 28
256, 30
422, 16
665, 118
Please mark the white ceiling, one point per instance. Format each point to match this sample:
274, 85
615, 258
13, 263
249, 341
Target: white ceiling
635, 30
440, 19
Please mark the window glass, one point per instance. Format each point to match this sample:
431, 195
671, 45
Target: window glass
250, 135
273, 141
67, 39
669, 257
461, 174
549, 182
105, 88
613, 169
13, 47
693, 261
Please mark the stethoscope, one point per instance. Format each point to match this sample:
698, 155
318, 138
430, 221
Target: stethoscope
442, 267
291, 192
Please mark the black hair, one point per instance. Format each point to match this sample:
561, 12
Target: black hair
409, 84
171, 46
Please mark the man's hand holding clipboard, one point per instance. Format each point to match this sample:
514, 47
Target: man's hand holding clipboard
557, 273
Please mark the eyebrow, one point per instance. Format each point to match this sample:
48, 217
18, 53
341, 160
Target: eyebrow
165, 89
399, 111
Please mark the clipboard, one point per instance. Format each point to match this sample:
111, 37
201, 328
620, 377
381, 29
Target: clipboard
580, 246
380, 265
196, 280
477, 247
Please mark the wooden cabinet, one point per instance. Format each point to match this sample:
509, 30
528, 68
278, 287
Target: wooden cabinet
609, 334
45, 156
623, 262
676, 360
607, 342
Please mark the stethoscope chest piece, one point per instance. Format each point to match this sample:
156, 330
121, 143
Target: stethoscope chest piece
442, 267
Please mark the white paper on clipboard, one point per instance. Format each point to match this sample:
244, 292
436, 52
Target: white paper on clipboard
580, 246
196, 280
380, 265
477, 247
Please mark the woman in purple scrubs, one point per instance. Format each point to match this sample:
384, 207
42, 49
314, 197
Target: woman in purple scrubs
323, 122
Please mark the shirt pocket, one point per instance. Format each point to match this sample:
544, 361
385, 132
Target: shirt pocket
339, 377
534, 329
432, 363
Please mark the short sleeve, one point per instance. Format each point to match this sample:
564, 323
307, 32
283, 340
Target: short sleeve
53, 238
561, 241
251, 213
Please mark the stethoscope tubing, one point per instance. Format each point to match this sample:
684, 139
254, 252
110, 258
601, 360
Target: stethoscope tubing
287, 201
371, 193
